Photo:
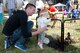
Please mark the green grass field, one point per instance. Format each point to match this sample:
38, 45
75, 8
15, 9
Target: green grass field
73, 28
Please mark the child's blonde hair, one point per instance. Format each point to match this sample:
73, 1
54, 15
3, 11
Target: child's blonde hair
44, 12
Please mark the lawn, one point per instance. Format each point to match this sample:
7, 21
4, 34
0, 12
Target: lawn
73, 28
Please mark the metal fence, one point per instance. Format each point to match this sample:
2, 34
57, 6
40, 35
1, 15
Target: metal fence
68, 25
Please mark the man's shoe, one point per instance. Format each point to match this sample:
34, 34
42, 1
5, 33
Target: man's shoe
21, 47
7, 43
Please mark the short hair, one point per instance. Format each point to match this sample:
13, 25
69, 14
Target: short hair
30, 5
0, 2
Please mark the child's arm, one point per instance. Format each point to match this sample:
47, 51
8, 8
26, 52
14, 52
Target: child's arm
48, 20
51, 19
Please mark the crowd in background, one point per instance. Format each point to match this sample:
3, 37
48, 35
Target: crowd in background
11, 5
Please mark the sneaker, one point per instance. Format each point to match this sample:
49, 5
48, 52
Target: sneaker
40, 45
21, 47
46, 40
7, 43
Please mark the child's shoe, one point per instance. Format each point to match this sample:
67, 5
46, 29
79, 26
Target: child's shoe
46, 40
40, 45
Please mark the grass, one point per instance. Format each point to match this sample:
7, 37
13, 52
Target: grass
73, 28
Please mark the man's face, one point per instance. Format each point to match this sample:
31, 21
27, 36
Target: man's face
30, 10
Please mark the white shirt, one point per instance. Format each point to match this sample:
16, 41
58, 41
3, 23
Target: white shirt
43, 21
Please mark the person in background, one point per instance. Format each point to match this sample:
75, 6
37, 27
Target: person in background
11, 6
65, 11
69, 7
1, 13
18, 29
52, 13
74, 13
68, 4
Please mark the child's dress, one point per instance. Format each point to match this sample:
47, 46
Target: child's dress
42, 22
1, 14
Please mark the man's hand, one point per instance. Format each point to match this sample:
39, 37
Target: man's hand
40, 30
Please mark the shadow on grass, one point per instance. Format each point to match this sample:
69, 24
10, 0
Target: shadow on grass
68, 48
33, 48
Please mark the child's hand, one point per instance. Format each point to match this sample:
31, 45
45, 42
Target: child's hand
52, 19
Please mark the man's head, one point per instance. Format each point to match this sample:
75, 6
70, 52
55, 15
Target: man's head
30, 9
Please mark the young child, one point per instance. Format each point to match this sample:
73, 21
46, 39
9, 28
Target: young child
43, 21
74, 13
1, 13
65, 11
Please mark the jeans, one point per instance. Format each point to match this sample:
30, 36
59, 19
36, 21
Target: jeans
16, 37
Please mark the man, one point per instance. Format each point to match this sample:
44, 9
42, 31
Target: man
11, 6
18, 29
68, 4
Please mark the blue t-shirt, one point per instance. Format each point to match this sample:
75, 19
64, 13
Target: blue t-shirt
74, 12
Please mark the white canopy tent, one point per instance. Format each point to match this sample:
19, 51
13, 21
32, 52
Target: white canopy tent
60, 6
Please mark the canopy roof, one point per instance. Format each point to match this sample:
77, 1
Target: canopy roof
59, 4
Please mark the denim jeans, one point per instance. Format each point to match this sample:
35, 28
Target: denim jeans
17, 37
